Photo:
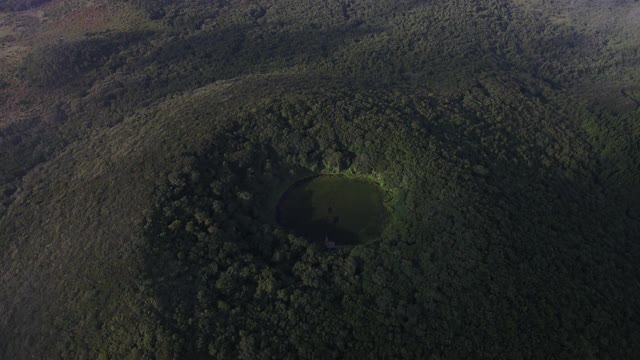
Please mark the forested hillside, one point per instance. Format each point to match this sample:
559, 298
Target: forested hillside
144, 146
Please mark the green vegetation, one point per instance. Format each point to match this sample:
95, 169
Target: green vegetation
9, 5
141, 169
333, 209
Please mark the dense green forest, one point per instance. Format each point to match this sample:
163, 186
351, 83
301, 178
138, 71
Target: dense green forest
141, 167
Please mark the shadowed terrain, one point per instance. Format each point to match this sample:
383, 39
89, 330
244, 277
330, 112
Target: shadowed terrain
146, 147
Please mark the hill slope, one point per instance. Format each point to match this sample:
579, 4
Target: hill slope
143, 150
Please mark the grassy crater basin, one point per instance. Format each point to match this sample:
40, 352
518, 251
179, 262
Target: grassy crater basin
333, 210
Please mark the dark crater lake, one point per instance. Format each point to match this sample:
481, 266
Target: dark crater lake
333, 210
